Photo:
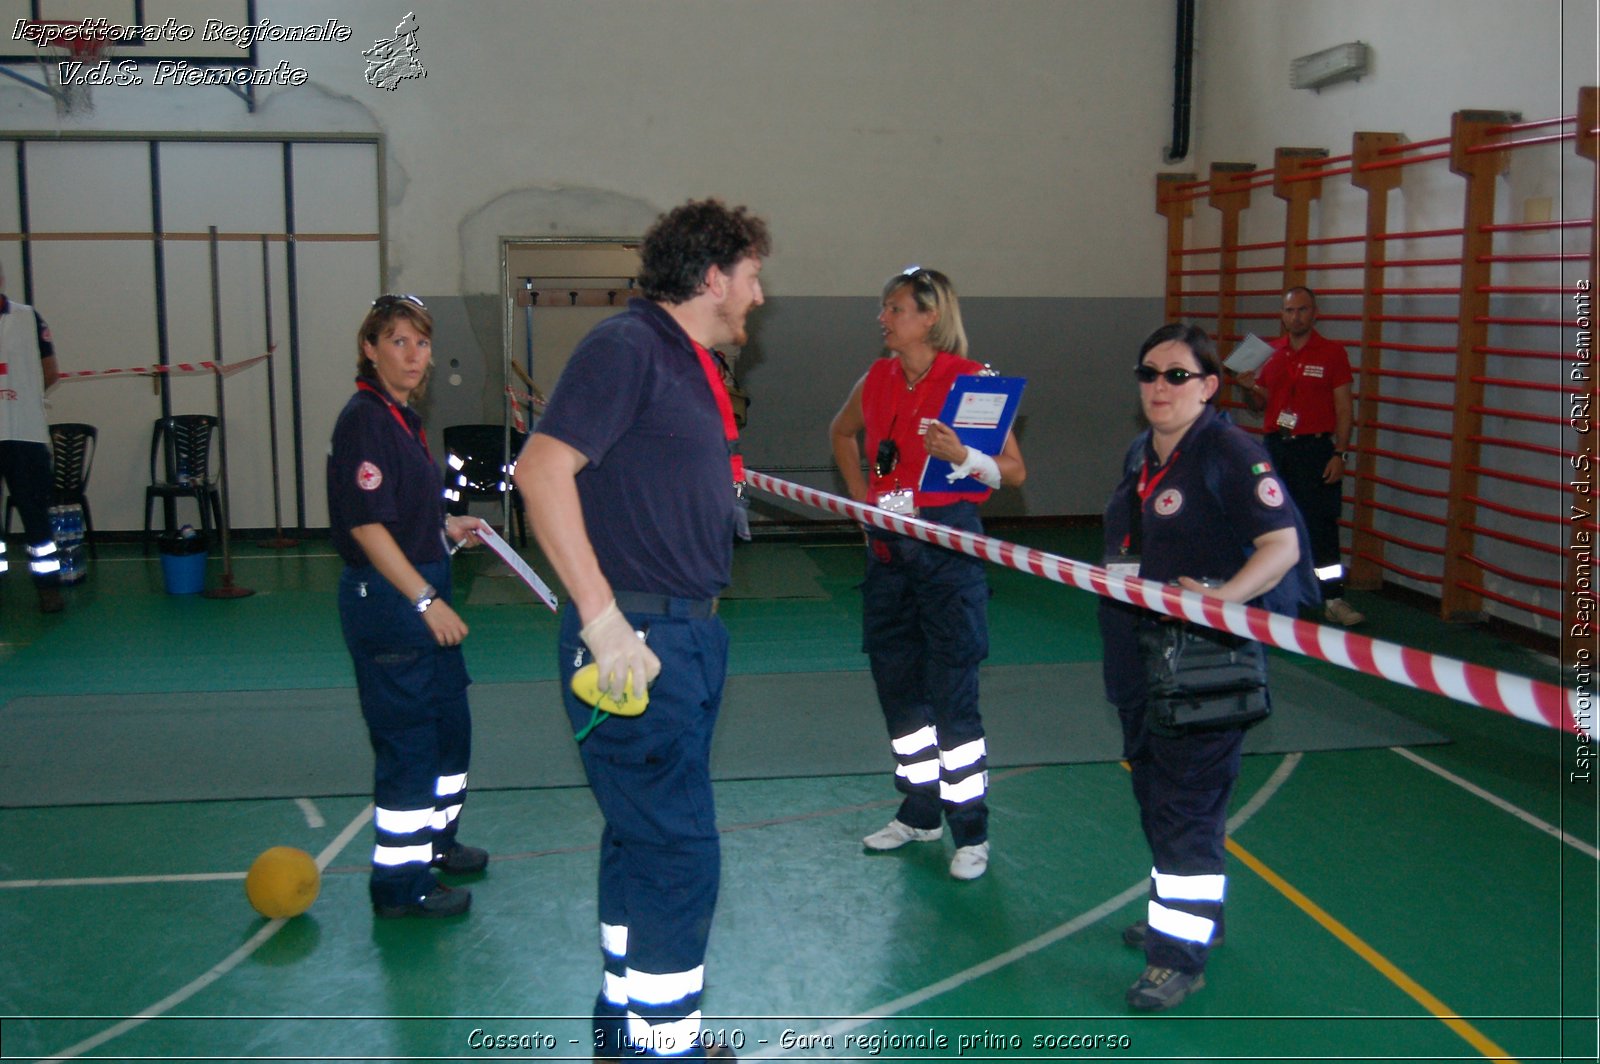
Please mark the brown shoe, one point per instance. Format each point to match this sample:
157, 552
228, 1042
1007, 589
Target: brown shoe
1341, 612
50, 600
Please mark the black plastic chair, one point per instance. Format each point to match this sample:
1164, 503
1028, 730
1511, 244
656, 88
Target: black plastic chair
182, 446
72, 455
473, 470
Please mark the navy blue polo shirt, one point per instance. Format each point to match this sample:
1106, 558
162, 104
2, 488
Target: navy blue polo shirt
1192, 524
657, 492
380, 472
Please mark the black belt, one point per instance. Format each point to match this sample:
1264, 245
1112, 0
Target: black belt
1288, 437
665, 605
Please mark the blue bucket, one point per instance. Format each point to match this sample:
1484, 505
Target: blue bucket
184, 574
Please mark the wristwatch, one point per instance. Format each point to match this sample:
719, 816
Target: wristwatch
424, 598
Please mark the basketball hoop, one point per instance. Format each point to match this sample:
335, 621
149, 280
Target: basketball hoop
61, 43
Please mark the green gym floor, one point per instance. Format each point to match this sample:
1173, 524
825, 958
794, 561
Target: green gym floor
1425, 902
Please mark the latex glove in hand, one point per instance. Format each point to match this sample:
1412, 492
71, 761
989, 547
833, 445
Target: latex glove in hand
976, 464
623, 658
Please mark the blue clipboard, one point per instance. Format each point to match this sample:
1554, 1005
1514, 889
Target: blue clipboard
980, 410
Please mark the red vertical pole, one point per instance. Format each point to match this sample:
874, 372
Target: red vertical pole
1366, 549
1230, 194
1580, 610
1469, 129
1176, 211
1297, 197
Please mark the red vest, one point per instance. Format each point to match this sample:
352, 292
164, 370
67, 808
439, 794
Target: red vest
891, 411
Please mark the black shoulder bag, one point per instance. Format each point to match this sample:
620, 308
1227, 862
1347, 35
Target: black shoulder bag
1199, 678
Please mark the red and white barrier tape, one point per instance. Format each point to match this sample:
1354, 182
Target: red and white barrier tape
171, 369
518, 401
1521, 697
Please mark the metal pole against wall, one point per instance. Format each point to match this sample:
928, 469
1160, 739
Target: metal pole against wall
278, 540
228, 589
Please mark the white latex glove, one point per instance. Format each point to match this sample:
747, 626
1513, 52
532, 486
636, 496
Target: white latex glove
623, 658
976, 464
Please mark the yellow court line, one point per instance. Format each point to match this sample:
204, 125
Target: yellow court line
1439, 1009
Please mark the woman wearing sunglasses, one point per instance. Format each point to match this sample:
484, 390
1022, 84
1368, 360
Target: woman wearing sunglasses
924, 608
1199, 505
386, 509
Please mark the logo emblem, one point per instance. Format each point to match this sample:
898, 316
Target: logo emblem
1169, 502
369, 476
1270, 492
394, 60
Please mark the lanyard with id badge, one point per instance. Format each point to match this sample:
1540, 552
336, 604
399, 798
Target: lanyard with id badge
1126, 561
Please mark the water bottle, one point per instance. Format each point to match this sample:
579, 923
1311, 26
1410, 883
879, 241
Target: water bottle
70, 544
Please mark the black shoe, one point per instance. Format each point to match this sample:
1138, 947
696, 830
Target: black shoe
1134, 935
50, 600
1162, 988
440, 901
461, 860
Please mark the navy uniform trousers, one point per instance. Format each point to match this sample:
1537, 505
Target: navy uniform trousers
414, 700
660, 855
25, 469
1182, 784
925, 630
1300, 460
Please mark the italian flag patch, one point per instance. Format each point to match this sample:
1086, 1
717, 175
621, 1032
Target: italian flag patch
1260, 468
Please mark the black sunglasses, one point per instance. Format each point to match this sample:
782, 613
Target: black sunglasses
888, 456
918, 276
390, 299
1175, 377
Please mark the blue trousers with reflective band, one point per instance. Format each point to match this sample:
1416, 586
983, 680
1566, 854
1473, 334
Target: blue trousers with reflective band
25, 470
925, 630
1182, 785
660, 855
1300, 461
414, 700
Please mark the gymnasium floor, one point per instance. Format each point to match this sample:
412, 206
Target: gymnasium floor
1432, 902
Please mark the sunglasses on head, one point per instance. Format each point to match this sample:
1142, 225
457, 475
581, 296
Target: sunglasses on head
1175, 376
390, 299
888, 455
919, 277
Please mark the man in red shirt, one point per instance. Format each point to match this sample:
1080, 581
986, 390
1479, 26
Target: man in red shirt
1304, 387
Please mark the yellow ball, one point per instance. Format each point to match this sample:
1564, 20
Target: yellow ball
283, 881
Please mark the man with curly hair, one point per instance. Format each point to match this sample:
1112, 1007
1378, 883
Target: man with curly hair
629, 483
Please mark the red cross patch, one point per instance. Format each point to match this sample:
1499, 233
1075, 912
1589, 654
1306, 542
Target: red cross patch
369, 476
1270, 492
1168, 502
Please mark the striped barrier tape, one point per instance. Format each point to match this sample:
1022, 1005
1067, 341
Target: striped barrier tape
171, 369
1518, 696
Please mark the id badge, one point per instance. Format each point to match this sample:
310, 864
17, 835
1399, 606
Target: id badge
1123, 565
898, 502
1287, 420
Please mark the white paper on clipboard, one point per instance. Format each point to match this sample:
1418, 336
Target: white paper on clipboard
494, 542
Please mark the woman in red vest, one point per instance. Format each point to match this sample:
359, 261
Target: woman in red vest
925, 609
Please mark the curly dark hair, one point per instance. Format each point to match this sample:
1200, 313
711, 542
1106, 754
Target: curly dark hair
687, 241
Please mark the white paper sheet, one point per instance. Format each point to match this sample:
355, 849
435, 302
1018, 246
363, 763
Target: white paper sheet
494, 542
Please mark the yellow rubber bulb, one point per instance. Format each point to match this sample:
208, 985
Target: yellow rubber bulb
586, 685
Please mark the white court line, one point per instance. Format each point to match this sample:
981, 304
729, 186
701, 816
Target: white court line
221, 968
1500, 803
312, 813
1140, 889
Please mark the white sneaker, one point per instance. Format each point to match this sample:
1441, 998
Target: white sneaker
970, 862
896, 835
1341, 612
